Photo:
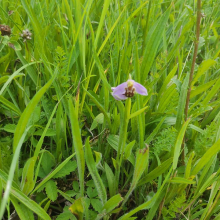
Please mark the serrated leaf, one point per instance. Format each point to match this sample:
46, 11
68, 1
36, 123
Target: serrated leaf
67, 169
66, 215
90, 183
91, 192
96, 204
51, 190
48, 161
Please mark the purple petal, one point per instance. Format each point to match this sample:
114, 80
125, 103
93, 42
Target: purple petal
119, 97
140, 89
113, 88
119, 91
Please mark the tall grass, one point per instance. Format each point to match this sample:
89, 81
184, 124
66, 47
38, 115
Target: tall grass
69, 150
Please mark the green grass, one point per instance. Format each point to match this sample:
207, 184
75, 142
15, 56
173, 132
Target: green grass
69, 150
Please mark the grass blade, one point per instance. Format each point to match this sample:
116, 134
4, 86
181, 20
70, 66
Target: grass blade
94, 173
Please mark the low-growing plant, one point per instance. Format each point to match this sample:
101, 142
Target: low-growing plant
109, 109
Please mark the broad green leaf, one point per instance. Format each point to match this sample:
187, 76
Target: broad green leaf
51, 190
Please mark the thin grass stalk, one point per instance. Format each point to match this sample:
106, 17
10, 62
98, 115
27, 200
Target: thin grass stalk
192, 68
77, 145
124, 113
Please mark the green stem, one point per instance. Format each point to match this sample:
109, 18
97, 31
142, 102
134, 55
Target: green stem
124, 114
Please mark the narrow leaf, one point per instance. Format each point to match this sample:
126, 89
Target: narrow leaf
94, 173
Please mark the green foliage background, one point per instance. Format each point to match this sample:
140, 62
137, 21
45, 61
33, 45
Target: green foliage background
68, 150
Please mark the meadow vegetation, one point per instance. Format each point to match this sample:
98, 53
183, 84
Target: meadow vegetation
69, 149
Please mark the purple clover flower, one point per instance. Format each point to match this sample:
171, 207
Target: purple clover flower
128, 89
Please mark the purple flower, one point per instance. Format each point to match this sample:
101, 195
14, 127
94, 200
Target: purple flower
128, 89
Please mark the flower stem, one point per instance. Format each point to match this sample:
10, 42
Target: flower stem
192, 67
124, 114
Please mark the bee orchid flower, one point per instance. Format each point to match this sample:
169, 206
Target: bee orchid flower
128, 89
